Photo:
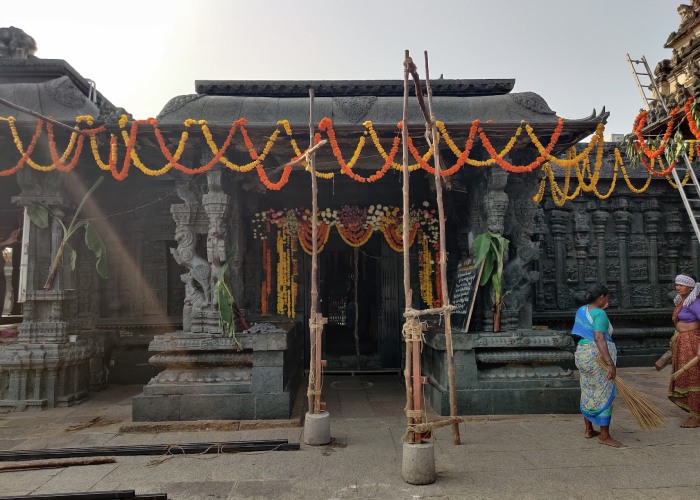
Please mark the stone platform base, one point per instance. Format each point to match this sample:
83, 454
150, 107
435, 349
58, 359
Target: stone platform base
512, 398
510, 373
210, 407
208, 377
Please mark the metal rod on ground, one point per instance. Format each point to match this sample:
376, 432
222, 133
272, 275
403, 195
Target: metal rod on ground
443, 257
12, 105
57, 464
413, 393
159, 449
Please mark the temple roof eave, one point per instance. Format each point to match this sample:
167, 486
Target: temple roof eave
352, 111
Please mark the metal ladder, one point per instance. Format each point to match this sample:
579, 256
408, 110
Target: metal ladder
650, 93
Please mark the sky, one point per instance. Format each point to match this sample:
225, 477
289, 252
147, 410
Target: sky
141, 53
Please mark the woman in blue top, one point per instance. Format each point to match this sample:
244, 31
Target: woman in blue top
597, 382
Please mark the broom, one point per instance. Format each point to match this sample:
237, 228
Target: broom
685, 367
644, 412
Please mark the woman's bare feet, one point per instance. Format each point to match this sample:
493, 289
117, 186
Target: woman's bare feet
590, 433
610, 441
691, 423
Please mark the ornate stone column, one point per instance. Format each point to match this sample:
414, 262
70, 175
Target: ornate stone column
558, 225
495, 206
600, 220
48, 364
581, 241
674, 239
623, 221
651, 221
216, 205
197, 280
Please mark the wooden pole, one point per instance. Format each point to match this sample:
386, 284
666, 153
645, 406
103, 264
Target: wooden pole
12, 105
413, 396
315, 337
356, 255
443, 259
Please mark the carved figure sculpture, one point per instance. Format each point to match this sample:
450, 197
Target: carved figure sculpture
194, 299
688, 12
186, 255
16, 44
517, 280
496, 201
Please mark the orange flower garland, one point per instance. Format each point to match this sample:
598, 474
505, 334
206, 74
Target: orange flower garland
305, 235
533, 164
59, 162
691, 119
18, 144
639, 123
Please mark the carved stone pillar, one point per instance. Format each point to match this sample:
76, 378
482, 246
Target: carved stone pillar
48, 341
540, 230
674, 240
623, 220
216, 204
651, 221
581, 242
600, 220
495, 205
188, 225
558, 225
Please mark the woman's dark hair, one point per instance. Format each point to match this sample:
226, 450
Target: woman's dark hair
596, 291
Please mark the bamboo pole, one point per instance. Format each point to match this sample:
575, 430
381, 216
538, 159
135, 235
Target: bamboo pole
443, 258
313, 393
356, 255
413, 392
12, 105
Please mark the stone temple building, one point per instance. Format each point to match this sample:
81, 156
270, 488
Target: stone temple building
173, 240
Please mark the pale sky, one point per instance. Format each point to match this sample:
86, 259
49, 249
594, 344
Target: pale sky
142, 53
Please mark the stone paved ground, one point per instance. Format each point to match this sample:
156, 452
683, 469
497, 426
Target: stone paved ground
530, 456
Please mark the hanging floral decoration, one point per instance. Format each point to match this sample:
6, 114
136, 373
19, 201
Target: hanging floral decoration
291, 229
122, 144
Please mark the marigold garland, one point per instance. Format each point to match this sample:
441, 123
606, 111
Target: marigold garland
587, 174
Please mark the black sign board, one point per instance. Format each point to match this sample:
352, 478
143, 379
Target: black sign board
464, 293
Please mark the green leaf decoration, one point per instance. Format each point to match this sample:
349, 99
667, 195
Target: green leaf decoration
97, 246
482, 243
39, 215
488, 269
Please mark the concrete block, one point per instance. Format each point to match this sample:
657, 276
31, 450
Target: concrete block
418, 463
317, 428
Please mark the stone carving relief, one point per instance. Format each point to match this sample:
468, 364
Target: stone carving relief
186, 255
16, 44
63, 91
354, 108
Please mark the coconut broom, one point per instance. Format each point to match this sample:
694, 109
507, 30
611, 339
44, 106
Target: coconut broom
647, 415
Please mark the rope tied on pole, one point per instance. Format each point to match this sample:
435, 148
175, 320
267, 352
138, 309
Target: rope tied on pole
416, 313
412, 331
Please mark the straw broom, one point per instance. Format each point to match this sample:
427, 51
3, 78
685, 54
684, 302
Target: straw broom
647, 415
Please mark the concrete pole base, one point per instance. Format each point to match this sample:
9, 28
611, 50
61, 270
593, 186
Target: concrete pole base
418, 465
317, 428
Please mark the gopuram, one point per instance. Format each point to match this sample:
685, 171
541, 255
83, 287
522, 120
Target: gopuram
201, 202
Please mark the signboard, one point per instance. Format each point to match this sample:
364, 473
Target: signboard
464, 293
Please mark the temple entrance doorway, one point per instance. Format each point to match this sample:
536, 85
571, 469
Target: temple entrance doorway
378, 308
